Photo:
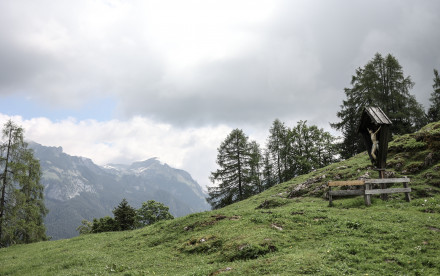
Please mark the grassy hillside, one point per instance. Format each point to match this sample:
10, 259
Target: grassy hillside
287, 230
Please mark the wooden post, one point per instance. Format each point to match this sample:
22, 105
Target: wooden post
383, 185
407, 196
367, 197
330, 202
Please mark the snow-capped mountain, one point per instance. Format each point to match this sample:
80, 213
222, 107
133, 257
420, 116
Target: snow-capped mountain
77, 189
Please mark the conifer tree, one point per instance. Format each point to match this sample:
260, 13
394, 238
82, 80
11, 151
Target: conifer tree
302, 144
379, 83
269, 178
21, 195
310, 148
255, 165
277, 147
434, 109
232, 178
29, 201
125, 216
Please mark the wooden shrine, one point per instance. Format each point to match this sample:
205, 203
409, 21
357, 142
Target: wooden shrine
374, 127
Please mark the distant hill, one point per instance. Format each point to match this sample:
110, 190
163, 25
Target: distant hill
286, 230
77, 189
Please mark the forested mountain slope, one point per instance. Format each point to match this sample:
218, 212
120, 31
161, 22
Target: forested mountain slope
77, 189
286, 230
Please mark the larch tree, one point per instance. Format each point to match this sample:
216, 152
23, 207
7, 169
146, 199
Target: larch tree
310, 148
255, 165
434, 109
268, 176
21, 195
302, 144
381, 83
276, 145
325, 148
231, 180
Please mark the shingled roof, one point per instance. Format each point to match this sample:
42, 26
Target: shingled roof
375, 115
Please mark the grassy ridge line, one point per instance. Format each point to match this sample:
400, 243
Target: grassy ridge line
287, 230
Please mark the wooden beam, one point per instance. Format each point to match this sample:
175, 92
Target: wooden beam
387, 180
387, 191
346, 183
346, 192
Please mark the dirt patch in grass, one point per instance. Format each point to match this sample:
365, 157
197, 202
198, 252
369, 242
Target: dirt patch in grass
271, 203
432, 228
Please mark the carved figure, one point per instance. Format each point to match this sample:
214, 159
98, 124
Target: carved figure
375, 145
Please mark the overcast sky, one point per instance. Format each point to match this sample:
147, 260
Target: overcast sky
123, 81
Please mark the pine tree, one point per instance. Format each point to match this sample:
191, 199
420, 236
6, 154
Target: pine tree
233, 175
434, 109
21, 195
380, 83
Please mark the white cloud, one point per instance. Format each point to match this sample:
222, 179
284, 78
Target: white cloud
191, 149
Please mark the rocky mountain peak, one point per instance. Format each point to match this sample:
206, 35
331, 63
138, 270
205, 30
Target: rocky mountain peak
77, 189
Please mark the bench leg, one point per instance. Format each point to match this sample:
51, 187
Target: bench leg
330, 199
367, 198
407, 196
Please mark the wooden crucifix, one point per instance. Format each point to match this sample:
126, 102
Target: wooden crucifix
374, 128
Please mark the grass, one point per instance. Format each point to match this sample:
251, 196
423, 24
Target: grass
287, 230
304, 236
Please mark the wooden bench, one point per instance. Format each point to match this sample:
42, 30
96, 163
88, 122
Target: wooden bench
365, 188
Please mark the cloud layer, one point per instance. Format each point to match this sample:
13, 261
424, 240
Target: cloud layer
171, 78
137, 139
209, 62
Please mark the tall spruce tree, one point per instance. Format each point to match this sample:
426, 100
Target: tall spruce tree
21, 195
380, 83
232, 179
434, 109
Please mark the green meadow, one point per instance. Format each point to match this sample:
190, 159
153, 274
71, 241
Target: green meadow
286, 230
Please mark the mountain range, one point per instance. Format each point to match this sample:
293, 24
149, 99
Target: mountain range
75, 188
